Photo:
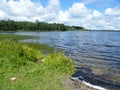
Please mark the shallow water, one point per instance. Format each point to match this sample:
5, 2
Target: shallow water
98, 51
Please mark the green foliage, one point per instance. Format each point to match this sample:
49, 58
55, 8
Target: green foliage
33, 69
78, 28
11, 25
7, 25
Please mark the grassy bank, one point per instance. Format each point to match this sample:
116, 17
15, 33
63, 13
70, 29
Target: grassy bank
35, 66
15, 37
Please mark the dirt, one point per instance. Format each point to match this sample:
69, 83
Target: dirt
74, 85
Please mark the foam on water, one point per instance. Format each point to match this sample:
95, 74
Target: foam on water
88, 84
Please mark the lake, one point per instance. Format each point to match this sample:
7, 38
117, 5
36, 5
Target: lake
97, 51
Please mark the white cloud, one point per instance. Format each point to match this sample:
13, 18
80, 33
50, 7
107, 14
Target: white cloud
88, 17
77, 14
63, 16
98, 2
40, 10
88, 1
21, 8
2, 14
29, 10
53, 5
112, 16
78, 10
112, 11
97, 14
19, 18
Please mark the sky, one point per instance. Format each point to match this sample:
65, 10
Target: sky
91, 14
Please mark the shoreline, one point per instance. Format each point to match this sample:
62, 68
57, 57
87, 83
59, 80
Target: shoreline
86, 76
71, 84
84, 69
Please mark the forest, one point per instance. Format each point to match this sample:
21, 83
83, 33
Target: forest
11, 25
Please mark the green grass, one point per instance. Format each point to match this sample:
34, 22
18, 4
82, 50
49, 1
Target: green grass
15, 37
36, 66
44, 48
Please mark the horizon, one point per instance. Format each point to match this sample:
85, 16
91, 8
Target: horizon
90, 14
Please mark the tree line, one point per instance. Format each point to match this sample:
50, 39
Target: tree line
11, 25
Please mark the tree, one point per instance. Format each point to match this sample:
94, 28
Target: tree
10, 25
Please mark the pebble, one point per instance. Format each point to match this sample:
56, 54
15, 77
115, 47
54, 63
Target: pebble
13, 78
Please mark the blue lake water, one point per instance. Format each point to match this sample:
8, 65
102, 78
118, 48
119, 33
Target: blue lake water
96, 50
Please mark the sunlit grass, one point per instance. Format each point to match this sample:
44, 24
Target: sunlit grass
15, 37
35, 66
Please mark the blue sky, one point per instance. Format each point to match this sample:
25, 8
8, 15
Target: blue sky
100, 5
92, 14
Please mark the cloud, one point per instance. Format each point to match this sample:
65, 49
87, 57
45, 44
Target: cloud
3, 15
112, 16
98, 2
53, 5
78, 10
28, 10
88, 1
77, 14
97, 14
21, 8
63, 16
113, 11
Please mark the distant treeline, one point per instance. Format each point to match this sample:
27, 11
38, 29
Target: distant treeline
11, 25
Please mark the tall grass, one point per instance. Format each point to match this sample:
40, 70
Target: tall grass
15, 37
32, 67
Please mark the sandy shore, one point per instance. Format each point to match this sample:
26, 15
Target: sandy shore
74, 85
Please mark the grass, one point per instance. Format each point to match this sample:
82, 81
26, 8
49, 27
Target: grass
15, 37
44, 48
35, 66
